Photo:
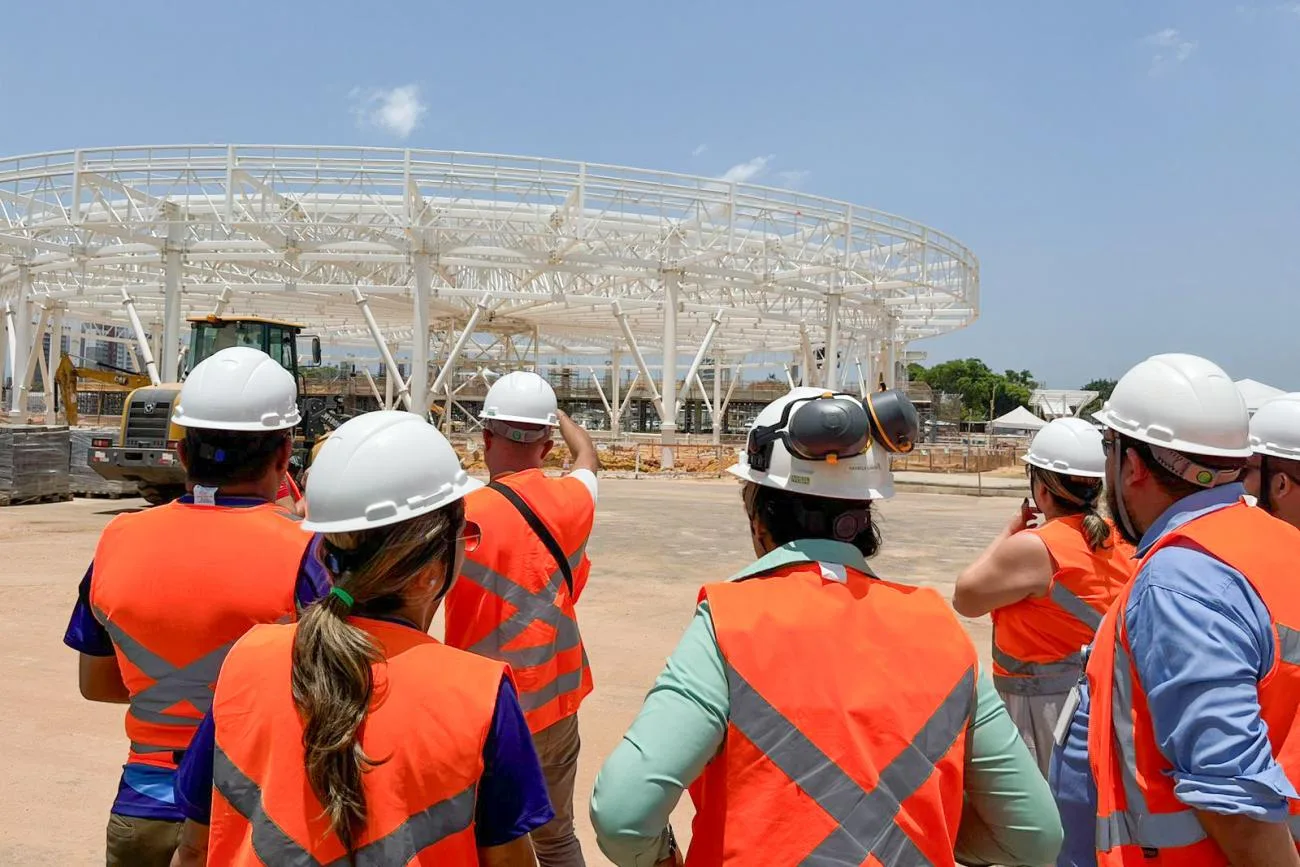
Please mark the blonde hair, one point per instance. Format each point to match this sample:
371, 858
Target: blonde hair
1077, 495
332, 679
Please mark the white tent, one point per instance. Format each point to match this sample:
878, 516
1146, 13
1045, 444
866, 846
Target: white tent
1256, 394
1018, 419
1060, 402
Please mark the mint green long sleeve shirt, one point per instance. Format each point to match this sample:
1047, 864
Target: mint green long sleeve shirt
1009, 817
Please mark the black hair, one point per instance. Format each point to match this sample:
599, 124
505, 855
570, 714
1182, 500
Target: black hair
214, 458
788, 516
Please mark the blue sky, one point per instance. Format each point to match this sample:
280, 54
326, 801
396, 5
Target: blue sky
1126, 172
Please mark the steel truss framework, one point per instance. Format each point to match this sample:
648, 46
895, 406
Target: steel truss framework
481, 251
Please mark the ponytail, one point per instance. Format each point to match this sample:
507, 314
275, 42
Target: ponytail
333, 675
1077, 495
332, 686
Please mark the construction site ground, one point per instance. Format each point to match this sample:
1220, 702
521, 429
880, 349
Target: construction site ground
655, 542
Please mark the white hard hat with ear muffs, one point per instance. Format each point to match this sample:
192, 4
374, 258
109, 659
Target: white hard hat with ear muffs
829, 444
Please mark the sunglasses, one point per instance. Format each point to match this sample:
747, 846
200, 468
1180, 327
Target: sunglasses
471, 535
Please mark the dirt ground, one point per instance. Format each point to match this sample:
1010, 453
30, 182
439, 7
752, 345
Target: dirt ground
655, 543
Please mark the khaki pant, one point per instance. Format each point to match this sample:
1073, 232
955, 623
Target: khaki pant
136, 842
1035, 716
557, 748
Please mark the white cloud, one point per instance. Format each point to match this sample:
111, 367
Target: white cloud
793, 178
699, 149
1171, 49
747, 171
397, 111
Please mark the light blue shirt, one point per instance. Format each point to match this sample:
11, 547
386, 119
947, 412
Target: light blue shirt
1201, 641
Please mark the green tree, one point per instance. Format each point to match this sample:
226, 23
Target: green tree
1103, 387
978, 385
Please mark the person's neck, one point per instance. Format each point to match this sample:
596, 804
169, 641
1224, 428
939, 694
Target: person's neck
506, 467
261, 490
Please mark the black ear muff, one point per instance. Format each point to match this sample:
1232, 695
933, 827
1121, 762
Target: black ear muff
895, 424
829, 426
849, 525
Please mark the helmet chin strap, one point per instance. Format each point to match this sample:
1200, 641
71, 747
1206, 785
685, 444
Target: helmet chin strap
1125, 522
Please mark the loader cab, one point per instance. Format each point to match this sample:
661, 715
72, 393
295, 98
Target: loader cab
210, 334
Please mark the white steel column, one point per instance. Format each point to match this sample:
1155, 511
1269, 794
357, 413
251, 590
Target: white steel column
671, 279
171, 340
830, 373
891, 362
718, 415
806, 365
22, 329
390, 365
443, 382
615, 378
689, 382
141, 339
642, 368
420, 351
34, 357
52, 364
6, 361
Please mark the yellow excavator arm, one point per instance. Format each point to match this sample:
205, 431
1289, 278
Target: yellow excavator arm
67, 374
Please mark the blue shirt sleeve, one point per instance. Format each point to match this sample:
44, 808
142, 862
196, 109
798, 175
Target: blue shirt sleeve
84, 633
1201, 641
313, 580
194, 776
512, 797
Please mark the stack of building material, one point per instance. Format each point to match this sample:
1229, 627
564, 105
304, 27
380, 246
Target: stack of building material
83, 479
33, 464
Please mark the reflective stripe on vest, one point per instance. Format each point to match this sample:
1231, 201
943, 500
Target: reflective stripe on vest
865, 819
1136, 826
531, 607
1028, 677
274, 847
172, 684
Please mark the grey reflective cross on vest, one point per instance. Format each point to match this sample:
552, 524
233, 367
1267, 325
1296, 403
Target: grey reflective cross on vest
541, 606
191, 683
1046, 678
866, 820
274, 847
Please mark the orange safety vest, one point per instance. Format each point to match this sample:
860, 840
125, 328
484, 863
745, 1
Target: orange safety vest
511, 602
428, 725
1139, 820
175, 587
846, 737
1037, 642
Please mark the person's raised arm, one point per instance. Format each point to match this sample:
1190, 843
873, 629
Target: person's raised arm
581, 448
1015, 566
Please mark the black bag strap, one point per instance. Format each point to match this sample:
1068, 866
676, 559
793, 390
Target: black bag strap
539, 528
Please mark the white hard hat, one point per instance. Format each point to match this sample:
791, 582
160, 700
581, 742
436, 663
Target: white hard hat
1069, 446
1275, 429
238, 389
1181, 402
862, 477
522, 397
382, 468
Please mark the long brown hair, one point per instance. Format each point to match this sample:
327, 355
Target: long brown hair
332, 680
1077, 495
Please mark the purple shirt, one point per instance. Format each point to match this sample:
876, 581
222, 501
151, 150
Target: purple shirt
512, 798
147, 791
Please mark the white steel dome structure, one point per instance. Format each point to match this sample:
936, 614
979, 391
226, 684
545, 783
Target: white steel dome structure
459, 256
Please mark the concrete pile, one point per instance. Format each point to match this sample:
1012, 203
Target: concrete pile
33, 464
